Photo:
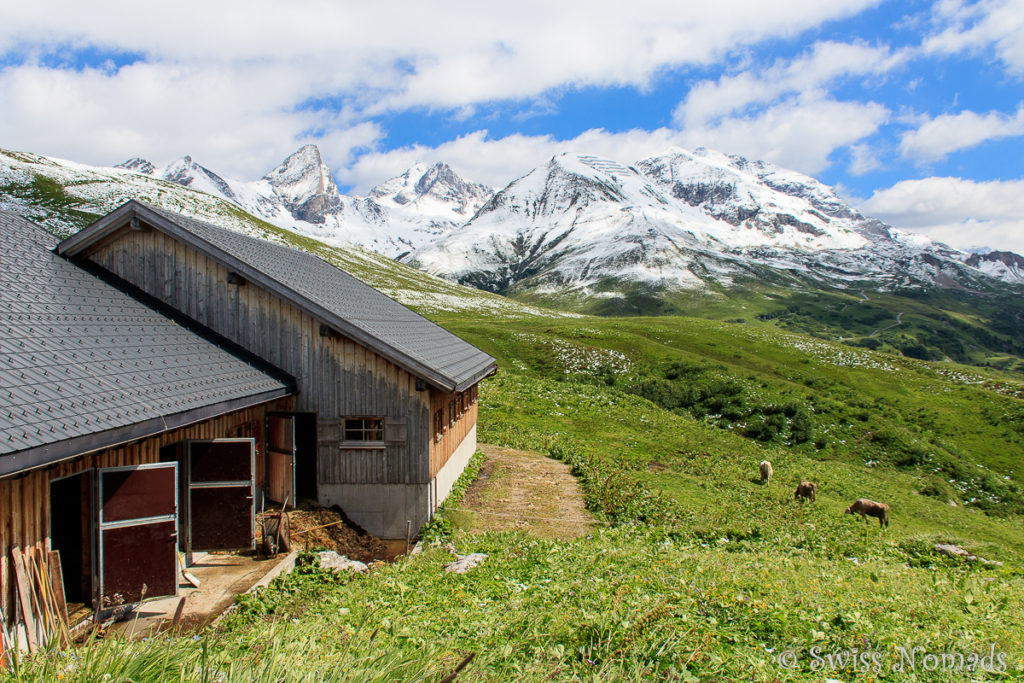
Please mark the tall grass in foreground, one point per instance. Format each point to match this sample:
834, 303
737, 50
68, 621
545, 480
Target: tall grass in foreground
278, 649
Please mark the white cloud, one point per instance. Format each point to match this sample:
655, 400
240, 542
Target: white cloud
962, 213
995, 24
825, 63
863, 159
784, 114
799, 133
937, 137
445, 53
161, 111
228, 81
498, 161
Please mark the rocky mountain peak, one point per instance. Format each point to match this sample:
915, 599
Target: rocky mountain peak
137, 164
1005, 265
437, 188
305, 185
188, 173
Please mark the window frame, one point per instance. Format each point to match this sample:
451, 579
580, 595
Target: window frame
364, 430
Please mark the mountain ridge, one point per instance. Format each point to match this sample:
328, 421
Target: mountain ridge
682, 220
590, 225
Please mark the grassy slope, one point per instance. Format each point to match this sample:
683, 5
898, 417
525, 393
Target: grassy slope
975, 327
705, 573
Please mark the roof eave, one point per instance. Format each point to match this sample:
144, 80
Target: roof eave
49, 454
475, 378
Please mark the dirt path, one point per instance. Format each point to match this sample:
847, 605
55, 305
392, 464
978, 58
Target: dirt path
521, 490
899, 321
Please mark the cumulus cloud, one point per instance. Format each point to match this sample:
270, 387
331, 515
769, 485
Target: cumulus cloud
972, 27
959, 212
799, 133
937, 137
157, 110
863, 159
240, 84
795, 134
785, 114
823, 64
497, 161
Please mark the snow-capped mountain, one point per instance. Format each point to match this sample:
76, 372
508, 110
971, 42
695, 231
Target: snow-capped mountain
590, 226
64, 196
679, 220
398, 216
434, 190
1004, 265
305, 185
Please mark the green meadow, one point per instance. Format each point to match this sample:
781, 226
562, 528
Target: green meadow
697, 572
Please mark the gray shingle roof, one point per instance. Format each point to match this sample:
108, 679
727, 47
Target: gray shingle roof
79, 357
327, 292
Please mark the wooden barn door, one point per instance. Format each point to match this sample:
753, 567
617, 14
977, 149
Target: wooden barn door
137, 532
281, 458
219, 476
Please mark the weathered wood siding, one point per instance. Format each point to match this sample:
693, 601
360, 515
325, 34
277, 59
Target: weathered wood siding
336, 376
25, 499
457, 420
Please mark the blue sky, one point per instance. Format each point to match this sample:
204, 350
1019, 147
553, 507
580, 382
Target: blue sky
914, 110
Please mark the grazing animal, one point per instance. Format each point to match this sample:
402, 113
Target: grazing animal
869, 508
806, 489
766, 472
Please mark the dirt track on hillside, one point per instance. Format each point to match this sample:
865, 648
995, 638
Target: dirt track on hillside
522, 490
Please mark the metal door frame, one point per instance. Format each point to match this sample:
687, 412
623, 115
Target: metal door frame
101, 526
250, 484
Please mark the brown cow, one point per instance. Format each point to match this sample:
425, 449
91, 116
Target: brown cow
765, 468
806, 489
869, 508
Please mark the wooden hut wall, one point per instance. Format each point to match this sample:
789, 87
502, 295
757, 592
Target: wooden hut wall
455, 426
25, 499
336, 376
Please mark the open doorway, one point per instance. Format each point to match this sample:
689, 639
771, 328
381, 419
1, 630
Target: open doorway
291, 457
71, 534
305, 455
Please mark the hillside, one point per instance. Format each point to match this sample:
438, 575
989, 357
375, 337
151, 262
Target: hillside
699, 573
741, 219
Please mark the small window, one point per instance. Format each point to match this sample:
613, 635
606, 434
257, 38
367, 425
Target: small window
438, 425
362, 429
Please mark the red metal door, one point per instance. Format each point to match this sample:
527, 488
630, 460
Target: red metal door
281, 458
220, 495
138, 532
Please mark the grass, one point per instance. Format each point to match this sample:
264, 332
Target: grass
698, 572
978, 327
703, 574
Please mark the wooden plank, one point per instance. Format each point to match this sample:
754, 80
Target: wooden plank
5, 540
57, 581
25, 599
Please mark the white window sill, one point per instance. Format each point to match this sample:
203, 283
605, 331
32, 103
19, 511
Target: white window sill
363, 445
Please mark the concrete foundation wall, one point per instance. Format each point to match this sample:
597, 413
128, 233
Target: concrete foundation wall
449, 474
382, 509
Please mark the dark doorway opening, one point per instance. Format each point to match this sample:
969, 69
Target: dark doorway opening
305, 455
71, 533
